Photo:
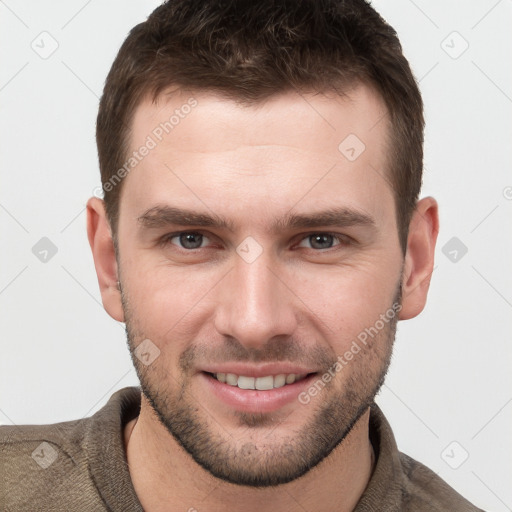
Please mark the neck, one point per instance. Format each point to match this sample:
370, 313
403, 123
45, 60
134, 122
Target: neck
167, 479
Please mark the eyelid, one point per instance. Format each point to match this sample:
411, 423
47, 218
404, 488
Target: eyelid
343, 239
167, 238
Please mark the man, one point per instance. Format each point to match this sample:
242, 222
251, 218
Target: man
260, 236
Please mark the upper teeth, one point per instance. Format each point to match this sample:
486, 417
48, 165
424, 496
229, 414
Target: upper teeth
260, 383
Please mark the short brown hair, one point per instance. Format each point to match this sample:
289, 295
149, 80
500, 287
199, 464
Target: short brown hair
248, 51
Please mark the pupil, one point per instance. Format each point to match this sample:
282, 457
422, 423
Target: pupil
191, 240
321, 241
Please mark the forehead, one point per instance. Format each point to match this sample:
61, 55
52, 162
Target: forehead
289, 149
197, 117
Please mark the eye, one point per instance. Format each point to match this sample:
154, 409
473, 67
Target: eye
321, 241
193, 240
188, 240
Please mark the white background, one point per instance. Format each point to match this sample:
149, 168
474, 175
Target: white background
62, 356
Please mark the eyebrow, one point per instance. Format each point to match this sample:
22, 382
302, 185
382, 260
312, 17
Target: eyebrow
161, 216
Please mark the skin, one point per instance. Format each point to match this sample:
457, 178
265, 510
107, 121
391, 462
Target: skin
295, 302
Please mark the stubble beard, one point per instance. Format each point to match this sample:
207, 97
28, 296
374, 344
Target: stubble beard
263, 455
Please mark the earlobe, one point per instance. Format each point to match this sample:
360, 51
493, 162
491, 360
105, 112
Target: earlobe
419, 258
103, 252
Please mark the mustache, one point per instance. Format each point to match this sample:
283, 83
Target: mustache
285, 350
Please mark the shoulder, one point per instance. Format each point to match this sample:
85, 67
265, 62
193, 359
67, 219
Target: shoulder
425, 490
401, 483
72, 465
40, 464
26, 445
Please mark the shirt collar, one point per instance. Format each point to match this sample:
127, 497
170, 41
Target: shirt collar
110, 472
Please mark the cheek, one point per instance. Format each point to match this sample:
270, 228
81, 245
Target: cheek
174, 305
168, 303
345, 301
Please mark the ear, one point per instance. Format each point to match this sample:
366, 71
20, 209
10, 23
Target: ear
102, 246
419, 258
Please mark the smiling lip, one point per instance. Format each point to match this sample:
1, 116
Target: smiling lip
256, 400
258, 371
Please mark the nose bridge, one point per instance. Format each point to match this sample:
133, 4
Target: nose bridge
255, 305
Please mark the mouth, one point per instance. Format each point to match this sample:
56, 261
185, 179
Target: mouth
263, 393
264, 383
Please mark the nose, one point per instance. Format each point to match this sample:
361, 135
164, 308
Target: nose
255, 303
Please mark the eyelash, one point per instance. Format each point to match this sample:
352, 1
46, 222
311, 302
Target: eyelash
343, 240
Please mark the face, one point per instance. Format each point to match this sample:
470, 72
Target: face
257, 250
